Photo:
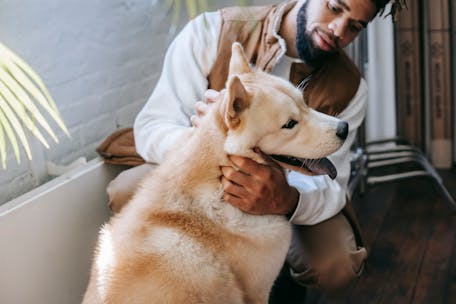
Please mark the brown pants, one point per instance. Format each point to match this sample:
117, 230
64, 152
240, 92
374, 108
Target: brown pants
325, 256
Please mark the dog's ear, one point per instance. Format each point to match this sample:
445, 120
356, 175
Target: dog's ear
236, 101
239, 63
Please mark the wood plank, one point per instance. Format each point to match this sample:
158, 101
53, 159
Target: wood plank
450, 292
397, 251
449, 178
412, 235
371, 208
435, 269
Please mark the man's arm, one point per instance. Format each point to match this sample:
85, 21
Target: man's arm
182, 83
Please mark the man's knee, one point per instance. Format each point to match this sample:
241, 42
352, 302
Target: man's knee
121, 189
326, 256
333, 273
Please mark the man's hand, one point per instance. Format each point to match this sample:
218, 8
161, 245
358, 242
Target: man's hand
201, 106
258, 188
252, 187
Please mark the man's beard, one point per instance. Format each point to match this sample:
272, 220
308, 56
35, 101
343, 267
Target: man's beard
307, 50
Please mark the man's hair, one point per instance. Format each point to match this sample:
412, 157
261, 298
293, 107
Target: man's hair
380, 4
396, 7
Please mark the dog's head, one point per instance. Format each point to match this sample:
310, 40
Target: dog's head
264, 111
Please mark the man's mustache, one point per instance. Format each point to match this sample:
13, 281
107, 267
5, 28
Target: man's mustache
329, 38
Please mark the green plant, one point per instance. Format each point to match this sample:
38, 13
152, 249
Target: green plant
193, 7
21, 91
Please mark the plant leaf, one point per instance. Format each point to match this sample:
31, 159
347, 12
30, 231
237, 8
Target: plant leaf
192, 8
177, 12
21, 90
16, 105
22, 96
10, 133
8, 118
30, 72
30, 87
169, 4
202, 6
2, 147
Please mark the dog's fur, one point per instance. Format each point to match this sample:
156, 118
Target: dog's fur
177, 241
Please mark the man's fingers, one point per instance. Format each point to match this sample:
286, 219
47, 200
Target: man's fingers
195, 120
211, 96
201, 108
232, 188
267, 159
241, 204
240, 178
234, 200
248, 165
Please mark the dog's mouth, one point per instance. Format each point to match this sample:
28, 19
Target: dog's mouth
319, 166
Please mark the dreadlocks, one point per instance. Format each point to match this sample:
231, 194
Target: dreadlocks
396, 7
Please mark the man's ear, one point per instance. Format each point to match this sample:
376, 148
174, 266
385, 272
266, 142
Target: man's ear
239, 63
236, 101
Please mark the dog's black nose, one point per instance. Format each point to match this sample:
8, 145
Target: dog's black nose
342, 130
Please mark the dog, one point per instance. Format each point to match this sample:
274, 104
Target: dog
177, 241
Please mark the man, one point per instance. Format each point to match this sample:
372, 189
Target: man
297, 40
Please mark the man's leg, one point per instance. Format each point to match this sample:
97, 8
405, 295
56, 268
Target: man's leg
121, 189
285, 290
326, 256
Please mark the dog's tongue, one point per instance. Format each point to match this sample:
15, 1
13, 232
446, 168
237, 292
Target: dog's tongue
322, 166
317, 166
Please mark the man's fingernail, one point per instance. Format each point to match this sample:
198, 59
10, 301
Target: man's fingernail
200, 106
194, 121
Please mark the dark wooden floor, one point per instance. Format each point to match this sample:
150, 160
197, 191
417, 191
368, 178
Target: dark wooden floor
410, 232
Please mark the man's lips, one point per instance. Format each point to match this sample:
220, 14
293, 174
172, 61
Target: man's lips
324, 42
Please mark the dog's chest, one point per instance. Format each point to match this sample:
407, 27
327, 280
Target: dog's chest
236, 221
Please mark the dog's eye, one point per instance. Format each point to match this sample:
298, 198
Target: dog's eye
290, 124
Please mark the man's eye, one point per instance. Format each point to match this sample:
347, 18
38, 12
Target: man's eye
355, 28
333, 8
290, 124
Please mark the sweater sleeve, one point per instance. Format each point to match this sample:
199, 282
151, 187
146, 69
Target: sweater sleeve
183, 82
320, 197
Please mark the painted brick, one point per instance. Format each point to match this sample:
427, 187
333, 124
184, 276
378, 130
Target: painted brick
100, 60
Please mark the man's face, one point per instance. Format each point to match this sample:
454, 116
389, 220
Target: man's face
326, 26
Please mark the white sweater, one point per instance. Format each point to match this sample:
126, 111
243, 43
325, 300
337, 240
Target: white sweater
183, 81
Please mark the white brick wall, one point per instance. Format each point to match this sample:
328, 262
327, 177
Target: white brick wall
100, 59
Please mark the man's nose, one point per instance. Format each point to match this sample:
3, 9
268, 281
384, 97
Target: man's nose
338, 27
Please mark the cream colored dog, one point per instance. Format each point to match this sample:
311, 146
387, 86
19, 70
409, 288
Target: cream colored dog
177, 241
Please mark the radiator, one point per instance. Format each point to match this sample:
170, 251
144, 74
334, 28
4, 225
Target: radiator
47, 237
